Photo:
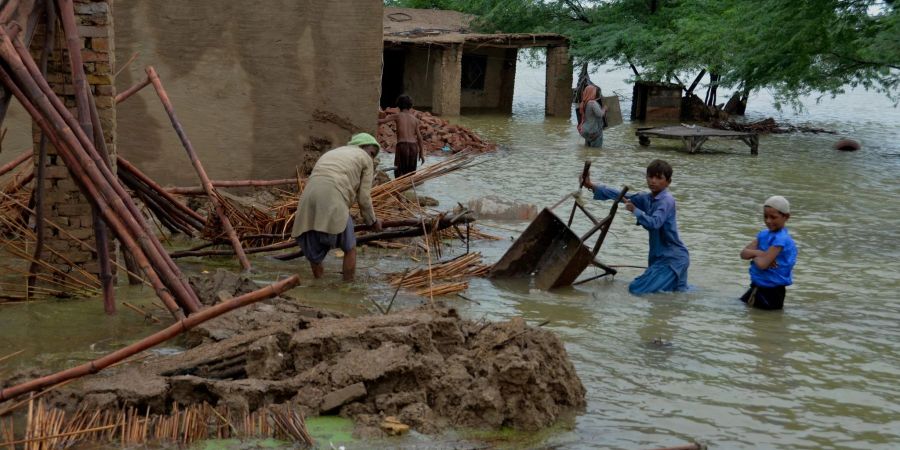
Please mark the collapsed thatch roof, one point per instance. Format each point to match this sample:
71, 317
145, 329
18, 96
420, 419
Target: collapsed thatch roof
435, 26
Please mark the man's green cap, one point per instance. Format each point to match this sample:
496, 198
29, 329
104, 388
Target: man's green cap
361, 139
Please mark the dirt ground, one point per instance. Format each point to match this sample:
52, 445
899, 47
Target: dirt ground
427, 367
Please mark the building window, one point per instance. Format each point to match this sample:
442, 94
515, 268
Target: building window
473, 70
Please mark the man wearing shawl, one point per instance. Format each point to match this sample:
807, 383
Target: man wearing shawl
591, 125
341, 177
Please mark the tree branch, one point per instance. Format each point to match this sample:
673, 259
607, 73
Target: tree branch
576, 8
864, 62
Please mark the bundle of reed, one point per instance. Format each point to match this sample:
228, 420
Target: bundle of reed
15, 195
15, 186
464, 266
397, 186
170, 212
387, 198
56, 280
262, 227
443, 289
49, 428
77, 146
246, 219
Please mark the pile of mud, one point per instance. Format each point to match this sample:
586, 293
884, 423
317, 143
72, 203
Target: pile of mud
438, 135
428, 367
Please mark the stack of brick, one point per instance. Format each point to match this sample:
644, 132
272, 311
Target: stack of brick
438, 135
64, 203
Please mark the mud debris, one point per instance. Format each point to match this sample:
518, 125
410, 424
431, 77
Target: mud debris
426, 368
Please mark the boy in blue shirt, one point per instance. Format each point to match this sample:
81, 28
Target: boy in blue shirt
668, 259
772, 257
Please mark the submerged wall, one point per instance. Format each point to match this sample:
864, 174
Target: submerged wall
260, 87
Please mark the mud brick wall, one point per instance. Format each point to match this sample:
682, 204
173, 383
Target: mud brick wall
64, 203
558, 92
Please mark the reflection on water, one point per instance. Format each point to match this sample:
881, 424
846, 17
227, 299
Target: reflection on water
821, 373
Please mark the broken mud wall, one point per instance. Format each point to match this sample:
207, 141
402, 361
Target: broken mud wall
247, 80
558, 91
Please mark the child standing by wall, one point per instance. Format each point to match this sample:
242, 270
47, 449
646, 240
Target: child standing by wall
668, 258
772, 257
409, 139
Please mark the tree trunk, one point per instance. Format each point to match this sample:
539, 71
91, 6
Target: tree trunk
711, 91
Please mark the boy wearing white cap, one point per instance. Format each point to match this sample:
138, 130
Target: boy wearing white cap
772, 257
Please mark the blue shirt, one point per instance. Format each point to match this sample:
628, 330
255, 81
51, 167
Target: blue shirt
657, 215
781, 275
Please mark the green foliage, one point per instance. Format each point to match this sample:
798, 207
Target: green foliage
793, 48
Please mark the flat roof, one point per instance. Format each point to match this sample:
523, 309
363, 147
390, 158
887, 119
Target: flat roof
442, 27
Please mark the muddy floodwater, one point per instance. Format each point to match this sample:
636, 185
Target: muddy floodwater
664, 369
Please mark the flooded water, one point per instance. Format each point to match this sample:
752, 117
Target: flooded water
820, 374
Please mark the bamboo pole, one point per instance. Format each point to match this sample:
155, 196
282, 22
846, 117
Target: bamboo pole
142, 177
90, 124
124, 95
100, 228
74, 166
163, 210
210, 191
403, 230
4, 358
25, 156
85, 154
198, 190
384, 235
169, 332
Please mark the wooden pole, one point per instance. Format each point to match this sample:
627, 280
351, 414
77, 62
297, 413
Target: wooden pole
25, 69
25, 156
90, 124
207, 185
38, 195
171, 331
198, 190
51, 125
124, 95
393, 234
160, 208
142, 177
410, 228
38, 192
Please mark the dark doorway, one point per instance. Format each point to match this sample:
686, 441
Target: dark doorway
474, 68
392, 76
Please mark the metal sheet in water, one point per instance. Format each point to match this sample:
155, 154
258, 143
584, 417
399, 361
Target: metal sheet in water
547, 250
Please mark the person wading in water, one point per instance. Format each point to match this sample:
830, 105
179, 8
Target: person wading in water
341, 177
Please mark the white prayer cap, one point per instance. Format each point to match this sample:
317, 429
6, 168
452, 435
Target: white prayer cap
780, 203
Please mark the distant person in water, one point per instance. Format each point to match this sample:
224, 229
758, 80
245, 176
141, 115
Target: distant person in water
591, 125
772, 257
409, 139
668, 259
